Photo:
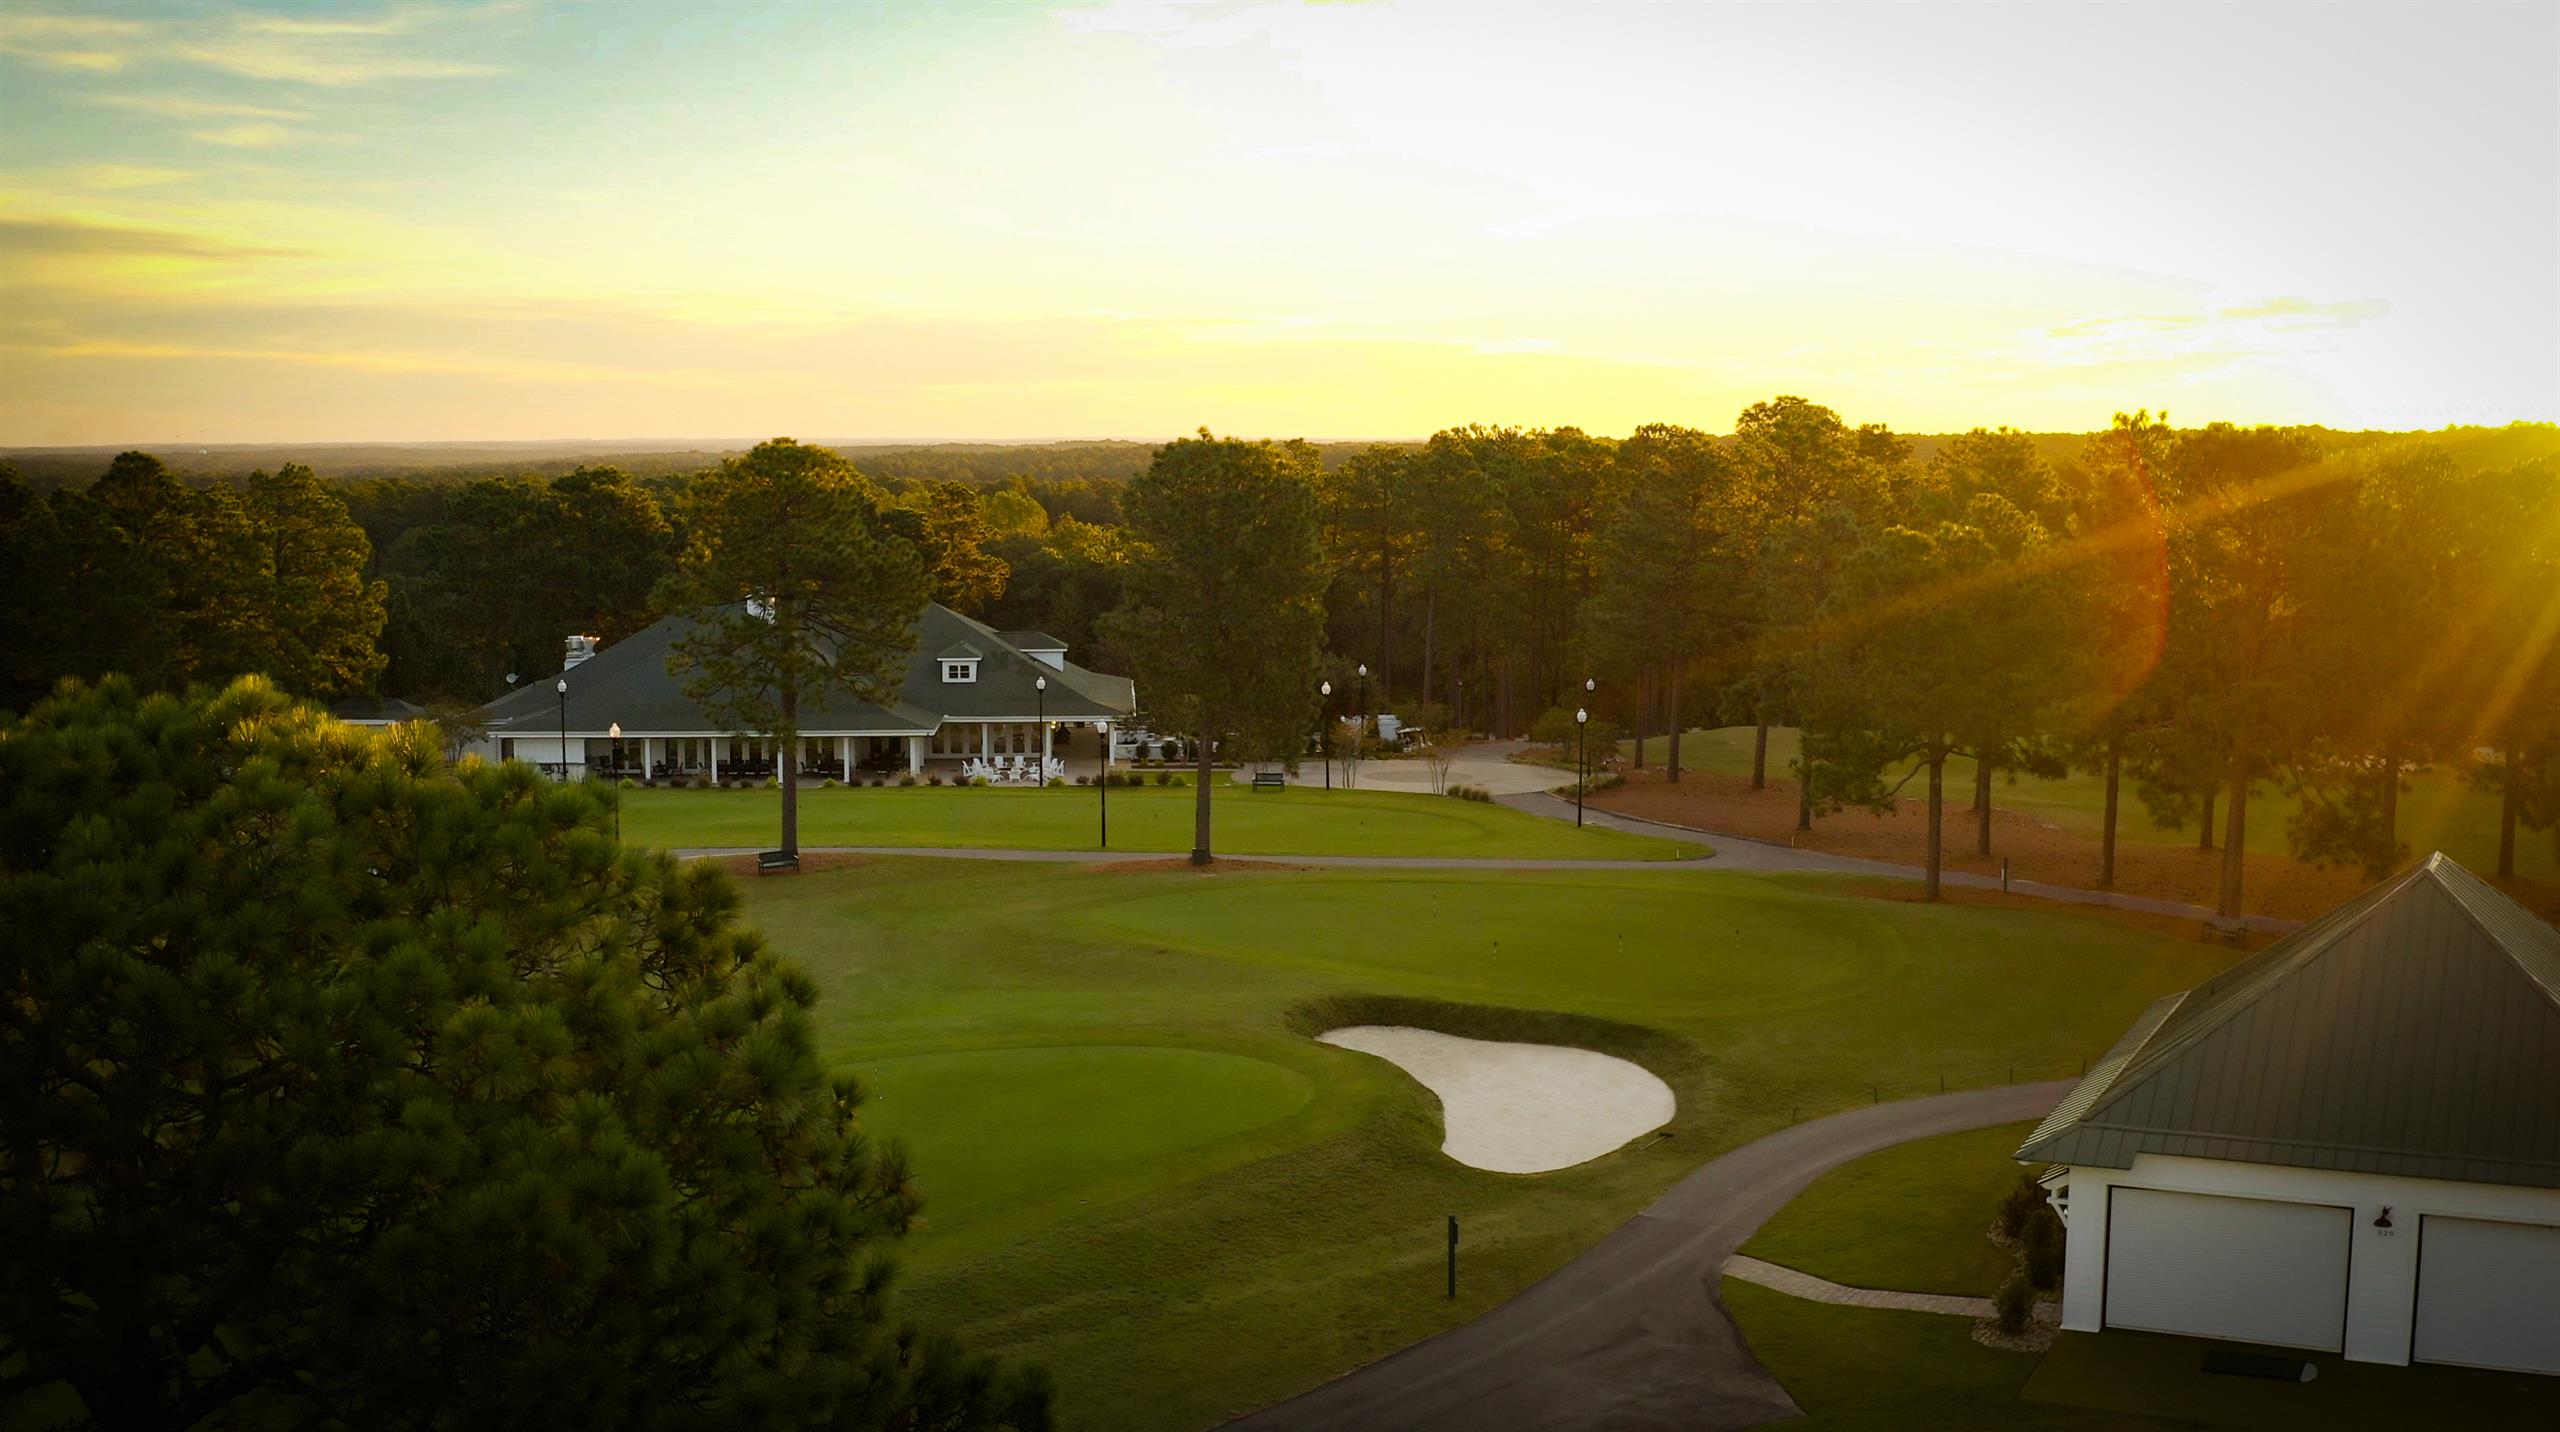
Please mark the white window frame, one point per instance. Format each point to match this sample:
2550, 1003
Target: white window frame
957, 671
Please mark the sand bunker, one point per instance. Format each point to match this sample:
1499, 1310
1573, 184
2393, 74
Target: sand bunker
1520, 1108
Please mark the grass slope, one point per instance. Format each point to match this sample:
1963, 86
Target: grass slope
1140, 1171
1147, 818
1915, 1217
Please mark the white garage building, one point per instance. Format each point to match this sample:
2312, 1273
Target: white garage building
2346, 1143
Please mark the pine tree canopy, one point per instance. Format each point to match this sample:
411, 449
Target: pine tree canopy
349, 1089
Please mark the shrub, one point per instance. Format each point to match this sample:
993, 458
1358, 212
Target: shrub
1462, 791
933, 780
1164, 778
629, 784
772, 784
907, 779
1084, 780
828, 784
2024, 1197
1177, 781
1057, 782
2014, 1306
2042, 1237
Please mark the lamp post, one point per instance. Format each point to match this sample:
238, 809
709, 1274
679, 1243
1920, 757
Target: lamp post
563, 689
1581, 760
1102, 780
615, 732
1040, 698
1324, 735
1364, 701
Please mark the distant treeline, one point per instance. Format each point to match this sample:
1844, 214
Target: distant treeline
2193, 609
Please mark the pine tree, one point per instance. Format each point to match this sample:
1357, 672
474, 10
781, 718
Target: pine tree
348, 1088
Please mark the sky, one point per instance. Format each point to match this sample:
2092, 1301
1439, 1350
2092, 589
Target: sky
359, 222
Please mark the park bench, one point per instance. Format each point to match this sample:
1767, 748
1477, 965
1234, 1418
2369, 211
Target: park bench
1270, 781
769, 861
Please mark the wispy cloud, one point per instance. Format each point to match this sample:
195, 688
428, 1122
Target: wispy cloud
256, 134
177, 106
71, 42
55, 237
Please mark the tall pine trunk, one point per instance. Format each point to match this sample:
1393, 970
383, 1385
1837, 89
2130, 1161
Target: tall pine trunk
1644, 709
2235, 841
2390, 811
1671, 700
1200, 809
2107, 832
1430, 612
1937, 816
1760, 757
1386, 639
1804, 787
1982, 805
787, 756
2204, 826
2512, 763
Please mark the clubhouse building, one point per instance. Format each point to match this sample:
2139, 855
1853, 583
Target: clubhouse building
2347, 1143
971, 694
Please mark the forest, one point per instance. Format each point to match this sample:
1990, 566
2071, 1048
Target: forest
2196, 613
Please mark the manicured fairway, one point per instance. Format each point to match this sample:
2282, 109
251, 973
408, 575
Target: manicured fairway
1156, 818
2437, 812
1141, 1174
1914, 1218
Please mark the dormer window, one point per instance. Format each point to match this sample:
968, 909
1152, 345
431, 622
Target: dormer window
960, 670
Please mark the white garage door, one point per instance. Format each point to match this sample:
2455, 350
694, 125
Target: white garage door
2248, 1269
2488, 1294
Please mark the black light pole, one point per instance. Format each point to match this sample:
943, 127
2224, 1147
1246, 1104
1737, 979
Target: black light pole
1364, 706
1324, 742
1102, 780
1040, 695
615, 731
563, 689
1581, 760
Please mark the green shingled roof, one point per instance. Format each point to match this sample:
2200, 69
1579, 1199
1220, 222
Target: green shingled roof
2414, 1031
628, 683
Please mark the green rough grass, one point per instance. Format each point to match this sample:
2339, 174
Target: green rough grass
2437, 812
1915, 1217
1100, 1074
1143, 818
1873, 1370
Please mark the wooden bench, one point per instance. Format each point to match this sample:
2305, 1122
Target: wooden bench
1270, 781
769, 861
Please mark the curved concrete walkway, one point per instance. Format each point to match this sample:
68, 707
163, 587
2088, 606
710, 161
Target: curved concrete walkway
1631, 1336
1779, 1278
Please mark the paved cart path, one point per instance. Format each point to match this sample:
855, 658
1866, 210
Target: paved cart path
1631, 1336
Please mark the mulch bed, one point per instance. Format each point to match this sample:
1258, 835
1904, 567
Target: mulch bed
2273, 884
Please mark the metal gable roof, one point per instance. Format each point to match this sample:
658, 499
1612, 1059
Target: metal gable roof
628, 683
2414, 1031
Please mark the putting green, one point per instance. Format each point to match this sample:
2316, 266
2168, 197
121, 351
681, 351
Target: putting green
1014, 1136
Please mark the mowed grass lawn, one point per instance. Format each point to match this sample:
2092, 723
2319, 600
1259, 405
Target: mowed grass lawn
1912, 1217
1139, 1173
1143, 818
2439, 811
1915, 1217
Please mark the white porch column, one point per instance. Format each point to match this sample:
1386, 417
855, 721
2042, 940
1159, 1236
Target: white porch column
1106, 746
1044, 750
844, 757
716, 743
986, 741
648, 768
915, 755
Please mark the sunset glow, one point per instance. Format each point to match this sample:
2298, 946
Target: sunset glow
292, 223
